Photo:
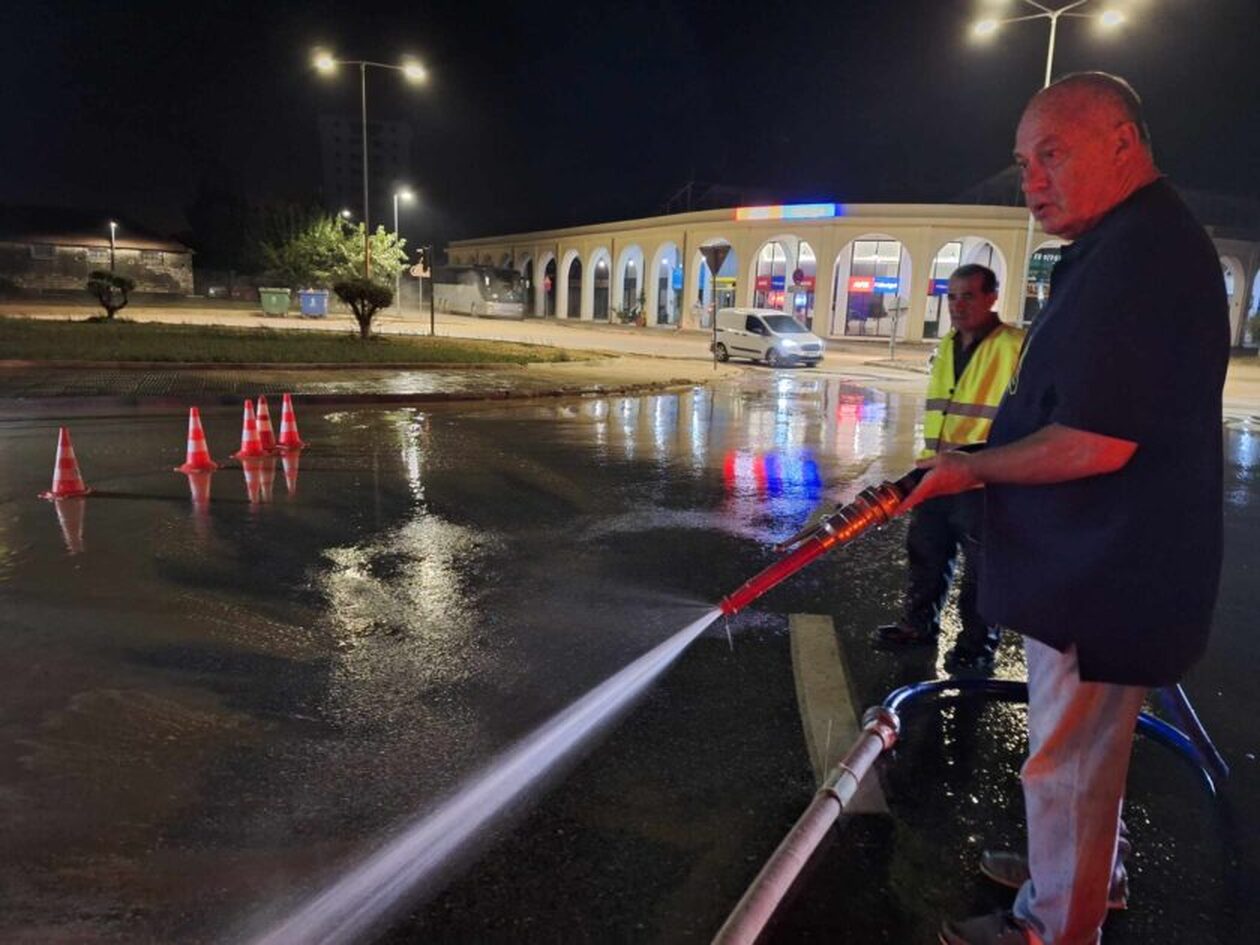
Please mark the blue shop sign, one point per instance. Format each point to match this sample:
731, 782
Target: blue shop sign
886, 284
939, 287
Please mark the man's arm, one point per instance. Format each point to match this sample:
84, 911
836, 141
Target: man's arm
1054, 453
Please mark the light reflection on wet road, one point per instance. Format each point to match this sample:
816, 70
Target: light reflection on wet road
215, 703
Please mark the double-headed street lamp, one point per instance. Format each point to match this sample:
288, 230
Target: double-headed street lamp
1106, 18
406, 196
983, 29
414, 72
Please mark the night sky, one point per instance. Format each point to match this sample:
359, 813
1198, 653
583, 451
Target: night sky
543, 115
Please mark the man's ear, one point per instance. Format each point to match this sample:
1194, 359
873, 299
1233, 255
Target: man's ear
1126, 142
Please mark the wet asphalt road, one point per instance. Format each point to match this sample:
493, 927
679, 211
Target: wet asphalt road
209, 712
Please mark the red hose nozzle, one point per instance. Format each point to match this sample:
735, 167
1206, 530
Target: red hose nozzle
873, 506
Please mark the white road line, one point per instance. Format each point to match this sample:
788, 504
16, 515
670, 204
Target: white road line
827, 712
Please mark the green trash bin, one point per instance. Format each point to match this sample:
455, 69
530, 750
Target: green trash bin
274, 301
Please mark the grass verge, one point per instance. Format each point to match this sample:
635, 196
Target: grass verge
29, 339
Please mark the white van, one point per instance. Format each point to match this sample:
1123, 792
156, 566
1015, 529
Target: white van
765, 334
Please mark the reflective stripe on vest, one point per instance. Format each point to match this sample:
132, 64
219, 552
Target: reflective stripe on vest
960, 414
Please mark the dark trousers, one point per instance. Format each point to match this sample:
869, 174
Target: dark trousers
940, 528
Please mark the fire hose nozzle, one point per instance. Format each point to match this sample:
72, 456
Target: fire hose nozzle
873, 506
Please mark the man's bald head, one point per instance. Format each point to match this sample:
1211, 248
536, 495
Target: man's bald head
1082, 148
1094, 97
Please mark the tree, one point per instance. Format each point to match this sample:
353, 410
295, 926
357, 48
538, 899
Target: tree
365, 297
110, 289
326, 251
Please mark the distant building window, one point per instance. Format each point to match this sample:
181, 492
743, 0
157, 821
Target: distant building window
98, 254
43, 251
151, 257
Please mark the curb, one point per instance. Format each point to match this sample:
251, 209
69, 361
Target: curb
271, 366
380, 399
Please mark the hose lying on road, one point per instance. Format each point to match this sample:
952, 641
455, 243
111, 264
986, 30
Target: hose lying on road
880, 728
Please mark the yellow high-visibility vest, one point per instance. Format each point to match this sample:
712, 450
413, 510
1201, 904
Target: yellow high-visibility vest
962, 413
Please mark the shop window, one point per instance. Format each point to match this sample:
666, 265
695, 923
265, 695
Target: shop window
873, 305
43, 251
151, 257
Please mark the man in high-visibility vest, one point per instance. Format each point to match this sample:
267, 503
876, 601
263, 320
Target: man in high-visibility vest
970, 373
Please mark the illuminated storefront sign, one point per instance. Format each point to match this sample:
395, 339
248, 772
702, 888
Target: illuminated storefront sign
939, 287
795, 211
885, 285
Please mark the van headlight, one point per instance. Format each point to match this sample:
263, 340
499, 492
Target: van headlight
789, 343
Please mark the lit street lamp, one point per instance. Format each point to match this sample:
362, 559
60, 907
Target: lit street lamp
406, 196
113, 233
989, 26
413, 71
986, 28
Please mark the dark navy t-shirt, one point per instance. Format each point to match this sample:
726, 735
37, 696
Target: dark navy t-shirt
1133, 344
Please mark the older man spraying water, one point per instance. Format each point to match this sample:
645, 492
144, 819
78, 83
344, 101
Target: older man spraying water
1103, 491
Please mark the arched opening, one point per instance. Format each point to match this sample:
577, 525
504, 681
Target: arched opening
1253, 310
1235, 290
572, 305
505, 261
665, 281
801, 286
964, 250
770, 276
872, 288
714, 293
1037, 293
598, 292
549, 288
527, 284
628, 297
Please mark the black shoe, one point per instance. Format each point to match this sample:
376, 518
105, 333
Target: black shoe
962, 663
894, 635
1010, 869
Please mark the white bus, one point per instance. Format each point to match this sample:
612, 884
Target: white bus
479, 290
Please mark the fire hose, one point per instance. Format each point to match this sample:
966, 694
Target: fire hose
873, 507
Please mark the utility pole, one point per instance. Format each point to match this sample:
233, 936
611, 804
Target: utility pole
428, 255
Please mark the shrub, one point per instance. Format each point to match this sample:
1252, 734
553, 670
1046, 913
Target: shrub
365, 298
110, 289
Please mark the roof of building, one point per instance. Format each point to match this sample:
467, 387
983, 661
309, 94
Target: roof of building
62, 226
1225, 213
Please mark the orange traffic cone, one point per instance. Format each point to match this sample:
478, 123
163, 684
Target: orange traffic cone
67, 482
251, 446
199, 490
253, 484
291, 458
70, 518
266, 477
197, 457
289, 439
266, 436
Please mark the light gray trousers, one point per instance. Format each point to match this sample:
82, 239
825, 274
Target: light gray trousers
1080, 737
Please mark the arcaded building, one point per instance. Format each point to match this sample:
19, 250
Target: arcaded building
844, 270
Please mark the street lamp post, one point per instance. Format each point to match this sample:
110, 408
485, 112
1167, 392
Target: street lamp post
113, 233
406, 196
414, 72
988, 27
